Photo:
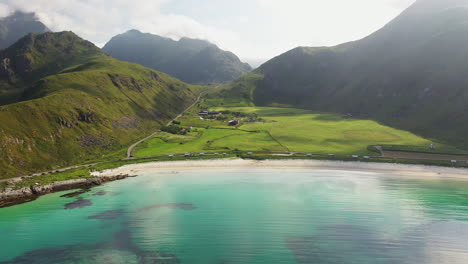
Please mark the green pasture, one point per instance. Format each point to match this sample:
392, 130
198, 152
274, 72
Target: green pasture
282, 129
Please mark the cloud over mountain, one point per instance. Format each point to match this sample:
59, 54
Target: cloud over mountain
99, 20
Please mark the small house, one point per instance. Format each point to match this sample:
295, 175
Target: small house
209, 113
234, 122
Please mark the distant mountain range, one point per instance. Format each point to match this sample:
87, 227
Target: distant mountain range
72, 103
191, 60
411, 74
17, 25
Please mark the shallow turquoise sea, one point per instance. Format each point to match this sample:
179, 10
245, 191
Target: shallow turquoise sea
244, 216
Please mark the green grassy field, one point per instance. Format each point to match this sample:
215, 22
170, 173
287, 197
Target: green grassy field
281, 129
207, 140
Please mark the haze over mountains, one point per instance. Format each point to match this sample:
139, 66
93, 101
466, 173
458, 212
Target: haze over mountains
410, 74
191, 60
17, 26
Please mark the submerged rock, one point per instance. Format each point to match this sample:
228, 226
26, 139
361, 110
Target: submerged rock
108, 215
79, 203
100, 193
76, 194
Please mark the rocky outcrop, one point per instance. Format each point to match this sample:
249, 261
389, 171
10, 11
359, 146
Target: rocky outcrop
6, 70
14, 197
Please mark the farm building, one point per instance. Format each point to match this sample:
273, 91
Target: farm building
209, 113
234, 122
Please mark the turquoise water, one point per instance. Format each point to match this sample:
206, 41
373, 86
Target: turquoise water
244, 216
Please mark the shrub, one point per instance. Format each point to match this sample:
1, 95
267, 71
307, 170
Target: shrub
173, 129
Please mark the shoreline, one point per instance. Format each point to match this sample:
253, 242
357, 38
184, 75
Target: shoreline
236, 163
28, 194
14, 197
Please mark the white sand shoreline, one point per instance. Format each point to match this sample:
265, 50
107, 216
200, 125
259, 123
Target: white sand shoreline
383, 168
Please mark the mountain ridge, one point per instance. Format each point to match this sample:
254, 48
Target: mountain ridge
396, 76
191, 60
83, 110
38, 55
17, 25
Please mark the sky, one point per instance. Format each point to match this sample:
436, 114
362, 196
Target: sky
255, 30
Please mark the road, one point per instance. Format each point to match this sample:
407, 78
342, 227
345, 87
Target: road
387, 154
129, 151
132, 147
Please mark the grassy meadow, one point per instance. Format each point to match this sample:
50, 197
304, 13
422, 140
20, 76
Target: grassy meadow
279, 129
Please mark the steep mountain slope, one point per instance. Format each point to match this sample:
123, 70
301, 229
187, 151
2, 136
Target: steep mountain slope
38, 55
191, 60
84, 111
411, 74
18, 25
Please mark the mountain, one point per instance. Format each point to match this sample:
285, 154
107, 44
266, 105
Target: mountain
18, 25
78, 104
38, 55
411, 74
191, 60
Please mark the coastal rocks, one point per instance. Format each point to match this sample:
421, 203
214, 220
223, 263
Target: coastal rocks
13, 197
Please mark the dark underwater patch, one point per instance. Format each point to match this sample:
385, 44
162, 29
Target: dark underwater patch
79, 203
108, 215
100, 193
76, 193
80, 253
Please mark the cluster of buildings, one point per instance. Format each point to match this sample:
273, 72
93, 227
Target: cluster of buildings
217, 113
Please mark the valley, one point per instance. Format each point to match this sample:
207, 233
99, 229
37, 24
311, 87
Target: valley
278, 129
69, 108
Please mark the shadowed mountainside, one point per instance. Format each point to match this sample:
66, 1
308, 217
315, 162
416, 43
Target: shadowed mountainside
191, 60
411, 74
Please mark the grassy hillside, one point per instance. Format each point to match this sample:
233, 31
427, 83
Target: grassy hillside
191, 60
39, 55
86, 112
411, 74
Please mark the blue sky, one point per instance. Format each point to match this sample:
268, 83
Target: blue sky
253, 29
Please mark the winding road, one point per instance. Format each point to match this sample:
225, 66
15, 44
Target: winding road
386, 154
132, 147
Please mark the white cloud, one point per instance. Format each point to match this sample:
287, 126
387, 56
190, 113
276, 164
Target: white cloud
99, 20
263, 29
5, 10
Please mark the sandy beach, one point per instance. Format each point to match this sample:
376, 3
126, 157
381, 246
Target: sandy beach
383, 168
